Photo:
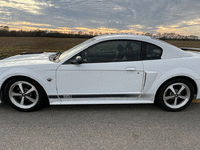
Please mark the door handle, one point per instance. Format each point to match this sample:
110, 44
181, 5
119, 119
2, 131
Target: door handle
130, 69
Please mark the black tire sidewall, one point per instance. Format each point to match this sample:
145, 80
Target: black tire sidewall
160, 93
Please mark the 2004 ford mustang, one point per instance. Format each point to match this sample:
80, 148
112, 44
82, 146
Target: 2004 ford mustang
110, 69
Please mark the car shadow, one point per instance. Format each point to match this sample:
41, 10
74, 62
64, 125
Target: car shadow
101, 107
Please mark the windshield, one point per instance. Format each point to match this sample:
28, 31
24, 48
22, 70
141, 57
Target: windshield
74, 49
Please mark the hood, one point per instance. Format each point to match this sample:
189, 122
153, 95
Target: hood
28, 59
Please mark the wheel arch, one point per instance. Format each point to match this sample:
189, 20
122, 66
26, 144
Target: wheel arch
179, 77
21, 76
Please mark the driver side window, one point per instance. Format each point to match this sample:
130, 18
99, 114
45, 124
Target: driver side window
111, 51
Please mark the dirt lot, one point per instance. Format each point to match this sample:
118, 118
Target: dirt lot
14, 45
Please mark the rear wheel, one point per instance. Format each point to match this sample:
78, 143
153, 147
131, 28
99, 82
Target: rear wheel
175, 95
24, 94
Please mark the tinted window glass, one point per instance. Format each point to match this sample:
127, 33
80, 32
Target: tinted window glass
111, 51
150, 51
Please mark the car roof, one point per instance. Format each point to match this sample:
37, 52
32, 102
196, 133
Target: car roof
122, 36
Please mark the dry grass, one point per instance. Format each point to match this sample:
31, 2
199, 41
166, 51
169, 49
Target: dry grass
180, 43
14, 45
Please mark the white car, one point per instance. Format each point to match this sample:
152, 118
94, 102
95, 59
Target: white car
109, 69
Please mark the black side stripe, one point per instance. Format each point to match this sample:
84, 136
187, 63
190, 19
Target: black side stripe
53, 96
92, 96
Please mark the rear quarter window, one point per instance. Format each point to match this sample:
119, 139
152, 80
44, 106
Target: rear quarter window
151, 51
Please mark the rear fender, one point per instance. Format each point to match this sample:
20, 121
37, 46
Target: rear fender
176, 72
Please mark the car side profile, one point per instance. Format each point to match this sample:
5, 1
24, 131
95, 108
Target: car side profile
108, 69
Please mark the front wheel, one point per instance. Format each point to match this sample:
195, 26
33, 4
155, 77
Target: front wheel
24, 94
175, 95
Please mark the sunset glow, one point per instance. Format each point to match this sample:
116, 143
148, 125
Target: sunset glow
102, 17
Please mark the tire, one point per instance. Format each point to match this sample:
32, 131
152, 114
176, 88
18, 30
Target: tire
24, 94
175, 95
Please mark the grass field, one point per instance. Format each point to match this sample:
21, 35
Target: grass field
15, 45
10, 46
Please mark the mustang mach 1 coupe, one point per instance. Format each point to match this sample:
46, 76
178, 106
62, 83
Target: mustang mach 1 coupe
109, 69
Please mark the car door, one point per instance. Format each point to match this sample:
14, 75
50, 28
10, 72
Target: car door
109, 69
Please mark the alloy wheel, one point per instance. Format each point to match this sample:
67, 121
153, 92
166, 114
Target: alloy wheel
23, 94
176, 95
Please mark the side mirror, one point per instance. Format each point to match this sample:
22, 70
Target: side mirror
77, 60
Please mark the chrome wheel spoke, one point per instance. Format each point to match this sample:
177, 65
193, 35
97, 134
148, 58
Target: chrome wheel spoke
182, 97
31, 90
30, 99
16, 94
175, 101
181, 89
172, 89
169, 97
21, 88
22, 101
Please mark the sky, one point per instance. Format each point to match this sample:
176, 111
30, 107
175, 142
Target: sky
103, 16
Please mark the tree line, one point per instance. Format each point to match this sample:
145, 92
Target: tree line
4, 31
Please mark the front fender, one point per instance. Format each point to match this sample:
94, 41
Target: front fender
38, 76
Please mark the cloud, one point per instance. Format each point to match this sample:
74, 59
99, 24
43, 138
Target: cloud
64, 30
185, 27
136, 16
26, 28
183, 31
101, 30
5, 13
104, 30
20, 23
30, 6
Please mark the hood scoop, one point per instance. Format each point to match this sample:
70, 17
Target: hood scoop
29, 53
